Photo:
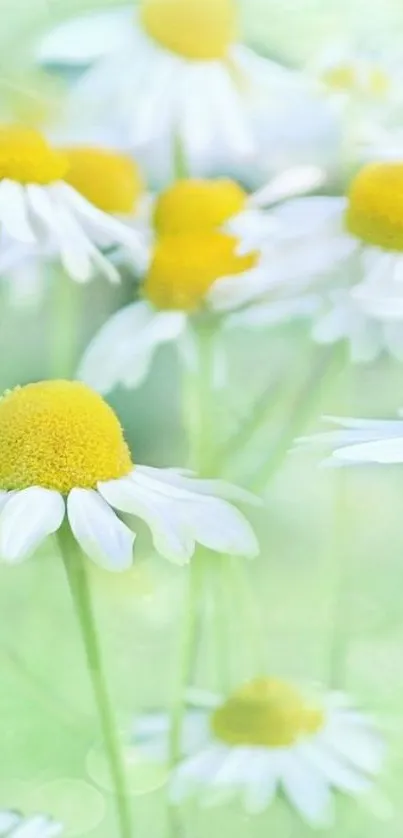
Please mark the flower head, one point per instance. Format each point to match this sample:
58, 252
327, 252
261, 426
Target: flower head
194, 205
201, 30
270, 736
374, 206
43, 213
62, 448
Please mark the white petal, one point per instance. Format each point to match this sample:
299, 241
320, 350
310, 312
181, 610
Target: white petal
262, 782
170, 537
307, 790
86, 38
26, 520
14, 212
302, 216
291, 182
8, 820
174, 483
337, 771
196, 771
382, 451
38, 826
99, 532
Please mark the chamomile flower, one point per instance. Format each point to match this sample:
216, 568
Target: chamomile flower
62, 452
358, 76
14, 825
348, 251
199, 228
171, 73
61, 204
270, 736
358, 441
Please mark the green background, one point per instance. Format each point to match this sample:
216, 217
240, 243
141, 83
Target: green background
329, 579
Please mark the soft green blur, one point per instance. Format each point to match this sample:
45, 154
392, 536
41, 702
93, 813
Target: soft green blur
48, 729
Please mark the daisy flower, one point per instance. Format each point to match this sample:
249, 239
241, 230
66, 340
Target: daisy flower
360, 76
268, 737
199, 256
348, 251
14, 825
172, 73
61, 204
62, 452
357, 441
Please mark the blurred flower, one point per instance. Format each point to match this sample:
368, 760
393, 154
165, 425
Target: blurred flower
358, 76
266, 737
14, 825
61, 444
172, 75
360, 441
347, 252
201, 230
44, 210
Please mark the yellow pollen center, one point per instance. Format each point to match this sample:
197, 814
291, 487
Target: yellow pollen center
26, 157
346, 78
197, 205
59, 435
195, 29
375, 206
266, 712
110, 181
184, 267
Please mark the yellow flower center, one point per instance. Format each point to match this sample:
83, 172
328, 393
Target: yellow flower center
26, 157
266, 712
59, 435
184, 267
195, 29
346, 78
197, 205
110, 181
375, 205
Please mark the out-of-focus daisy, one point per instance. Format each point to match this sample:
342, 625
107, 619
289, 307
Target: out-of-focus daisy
268, 737
62, 448
172, 73
361, 441
350, 251
200, 228
14, 825
358, 75
44, 211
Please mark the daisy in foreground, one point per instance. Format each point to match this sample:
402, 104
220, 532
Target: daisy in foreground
199, 265
54, 204
268, 737
350, 250
172, 73
361, 441
14, 825
62, 452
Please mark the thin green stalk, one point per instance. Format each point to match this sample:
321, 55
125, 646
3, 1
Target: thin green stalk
328, 365
188, 640
78, 583
65, 296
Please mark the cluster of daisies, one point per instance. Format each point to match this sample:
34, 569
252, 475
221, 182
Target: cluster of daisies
231, 191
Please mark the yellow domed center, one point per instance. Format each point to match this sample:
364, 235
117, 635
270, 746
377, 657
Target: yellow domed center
196, 205
266, 712
195, 29
375, 206
184, 267
26, 157
110, 181
346, 78
59, 435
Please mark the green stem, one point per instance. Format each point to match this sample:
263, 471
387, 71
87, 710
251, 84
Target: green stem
78, 583
65, 296
339, 555
330, 363
188, 642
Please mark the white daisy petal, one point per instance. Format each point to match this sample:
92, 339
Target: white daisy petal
289, 183
171, 538
385, 452
263, 780
173, 481
85, 38
26, 520
196, 771
99, 532
123, 349
14, 214
38, 826
307, 789
8, 820
337, 771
